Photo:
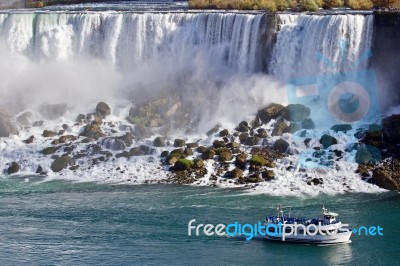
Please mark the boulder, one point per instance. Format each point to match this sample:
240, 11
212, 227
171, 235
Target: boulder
198, 163
241, 160
307, 123
252, 141
225, 156
341, 128
7, 128
29, 140
183, 164
368, 155
60, 163
92, 130
159, 142
102, 109
179, 143
208, 154
127, 138
258, 160
48, 133
280, 127
214, 130
235, 173
327, 141
269, 112
224, 133
219, 144
387, 176
13, 168
295, 112
113, 144
268, 175
262, 133
281, 145
243, 127
49, 150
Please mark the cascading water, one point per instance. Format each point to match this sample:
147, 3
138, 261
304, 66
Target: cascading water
216, 61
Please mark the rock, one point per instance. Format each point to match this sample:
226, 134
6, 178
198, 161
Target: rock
81, 118
39, 169
92, 130
164, 154
65, 138
208, 154
159, 142
60, 163
29, 140
280, 127
257, 160
201, 149
254, 178
198, 163
7, 128
225, 156
235, 173
269, 112
342, 128
179, 143
243, 127
127, 138
13, 168
295, 112
252, 141
219, 144
363, 170
192, 145
262, 133
124, 154
315, 181
113, 144
214, 130
38, 123
387, 176
241, 160
188, 152
49, 133
52, 111
141, 150
49, 150
183, 164
24, 119
307, 123
281, 145
243, 137
102, 109
327, 141
233, 145
224, 133
293, 127
268, 175
368, 155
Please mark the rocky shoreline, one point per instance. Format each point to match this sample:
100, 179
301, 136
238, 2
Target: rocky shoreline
248, 155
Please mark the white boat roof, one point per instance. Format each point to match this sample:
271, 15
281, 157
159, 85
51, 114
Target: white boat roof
331, 213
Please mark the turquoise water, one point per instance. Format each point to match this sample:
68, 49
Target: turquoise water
65, 223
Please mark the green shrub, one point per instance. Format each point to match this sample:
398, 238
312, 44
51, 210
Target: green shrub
359, 4
309, 5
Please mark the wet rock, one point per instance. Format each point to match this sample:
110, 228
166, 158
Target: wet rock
192, 145
52, 111
38, 123
198, 163
363, 170
60, 163
92, 130
7, 128
224, 133
188, 152
219, 144
262, 133
254, 178
39, 169
183, 164
342, 128
208, 154
74, 167
49, 150
295, 112
233, 145
307, 123
258, 160
81, 118
127, 138
164, 154
387, 176
141, 150
124, 154
113, 144
269, 112
243, 127
102, 109
179, 143
315, 181
252, 141
243, 137
159, 142
368, 155
66, 138
29, 140
281, 145
327, 141
225, 155
241, 160
268, 175
214, 130
13, 168
235, 173
49, 133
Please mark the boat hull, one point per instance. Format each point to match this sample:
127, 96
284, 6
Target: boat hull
317, 239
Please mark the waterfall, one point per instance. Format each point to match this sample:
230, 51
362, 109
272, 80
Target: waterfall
126, 40
302, 38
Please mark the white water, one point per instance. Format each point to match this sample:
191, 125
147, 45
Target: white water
81, 58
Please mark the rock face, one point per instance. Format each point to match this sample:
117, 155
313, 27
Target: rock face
388, 175
60, 163
14, 168
295, 112
7, 128
102, 109
269, 112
